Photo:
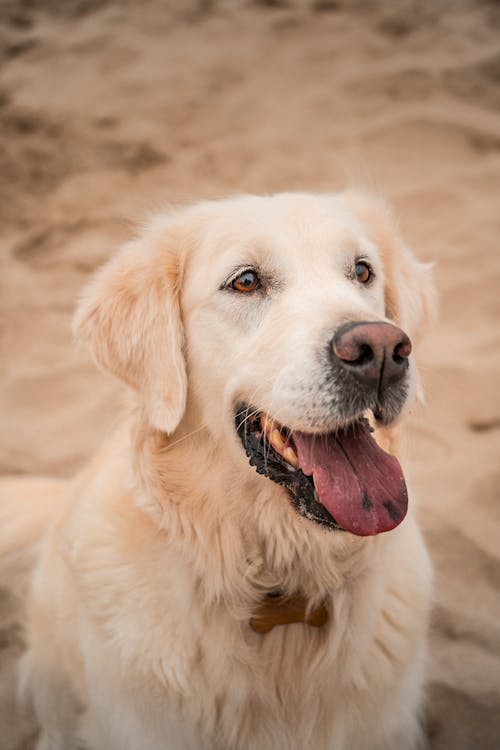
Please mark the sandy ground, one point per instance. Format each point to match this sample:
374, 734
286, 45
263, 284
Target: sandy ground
110, 110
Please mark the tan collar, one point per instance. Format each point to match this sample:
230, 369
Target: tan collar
278, 609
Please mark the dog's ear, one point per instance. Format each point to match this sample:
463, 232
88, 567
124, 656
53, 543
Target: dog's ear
130, 319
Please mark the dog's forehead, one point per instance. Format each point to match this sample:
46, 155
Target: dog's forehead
271, 226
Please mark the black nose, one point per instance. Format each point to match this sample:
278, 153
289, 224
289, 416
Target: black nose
376, 354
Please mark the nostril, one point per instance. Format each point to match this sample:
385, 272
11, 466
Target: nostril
365, 356
402, 351
353, 352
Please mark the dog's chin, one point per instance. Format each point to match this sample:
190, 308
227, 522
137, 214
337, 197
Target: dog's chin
341, 480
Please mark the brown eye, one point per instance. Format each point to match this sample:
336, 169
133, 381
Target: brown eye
247, 281
362, 272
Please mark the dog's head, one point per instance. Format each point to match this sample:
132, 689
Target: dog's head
282, 326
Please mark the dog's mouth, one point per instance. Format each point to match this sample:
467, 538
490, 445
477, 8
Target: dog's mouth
341, 480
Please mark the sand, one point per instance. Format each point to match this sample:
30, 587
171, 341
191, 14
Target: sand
110, 110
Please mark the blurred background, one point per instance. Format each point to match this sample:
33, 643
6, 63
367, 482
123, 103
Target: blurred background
113, 109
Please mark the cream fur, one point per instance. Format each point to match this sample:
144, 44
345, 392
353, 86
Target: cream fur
151, 566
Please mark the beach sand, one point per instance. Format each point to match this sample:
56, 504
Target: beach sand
111, 110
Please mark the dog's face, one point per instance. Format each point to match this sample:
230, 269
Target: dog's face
284, 323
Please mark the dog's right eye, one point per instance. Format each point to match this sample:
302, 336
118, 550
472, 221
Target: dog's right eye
247, 281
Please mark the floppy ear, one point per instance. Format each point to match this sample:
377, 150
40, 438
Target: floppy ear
130, 319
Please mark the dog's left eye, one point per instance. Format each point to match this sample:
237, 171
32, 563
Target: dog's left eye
247, 281
362, 272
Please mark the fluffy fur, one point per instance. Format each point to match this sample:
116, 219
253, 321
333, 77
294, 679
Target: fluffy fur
152, 564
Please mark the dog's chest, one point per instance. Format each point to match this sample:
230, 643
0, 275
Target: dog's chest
275, 690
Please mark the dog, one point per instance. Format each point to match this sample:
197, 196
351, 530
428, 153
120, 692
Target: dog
239, 567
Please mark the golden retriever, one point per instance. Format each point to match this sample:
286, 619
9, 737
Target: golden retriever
239, 569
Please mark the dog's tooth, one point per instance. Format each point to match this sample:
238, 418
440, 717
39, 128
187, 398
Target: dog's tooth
266, 423
277, 441
290, 456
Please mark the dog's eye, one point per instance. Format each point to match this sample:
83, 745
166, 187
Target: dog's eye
363, 272
247, 281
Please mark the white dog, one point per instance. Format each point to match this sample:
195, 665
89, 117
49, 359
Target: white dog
237, 569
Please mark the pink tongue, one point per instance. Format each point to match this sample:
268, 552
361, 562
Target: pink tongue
359, 484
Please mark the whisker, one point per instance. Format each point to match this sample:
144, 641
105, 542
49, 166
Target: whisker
247, 417
184, 437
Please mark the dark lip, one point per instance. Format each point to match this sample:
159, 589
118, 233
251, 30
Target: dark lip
270, 464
